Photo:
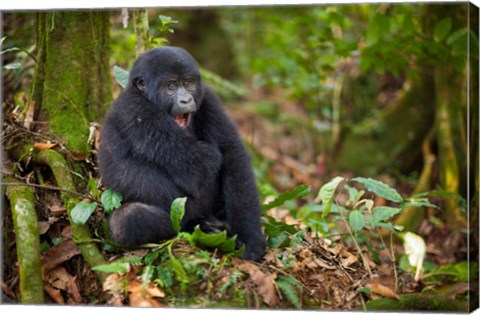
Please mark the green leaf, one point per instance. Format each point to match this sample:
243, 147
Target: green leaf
442, 29
114, 267
166, 19
356, 220
111, 200
354, 194
82, 211
179, 270
165, 277
177, 211
383, 214
278, 232
208, 240
299, 192
365, 290
379, 188
418, 202
287, 286
217, 240
92, 188
121, 76
327, 192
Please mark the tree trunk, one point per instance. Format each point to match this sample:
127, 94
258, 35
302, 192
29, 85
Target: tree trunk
142, 34
72, 84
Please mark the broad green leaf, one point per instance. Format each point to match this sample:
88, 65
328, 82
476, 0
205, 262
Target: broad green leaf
113, 267
217, 240
166, 19
327, 192
379, 188
82, 211
111, 200
356, 220
383, 214
229, 245
177, 211
299, 192
121, 76
461, 34
463, 271
208, 240
419, 202
442, 29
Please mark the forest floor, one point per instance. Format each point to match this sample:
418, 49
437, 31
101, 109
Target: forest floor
313, 272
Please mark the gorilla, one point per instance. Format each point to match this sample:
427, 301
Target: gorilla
168, 136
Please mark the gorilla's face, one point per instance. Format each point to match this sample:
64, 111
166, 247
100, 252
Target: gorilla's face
169, 78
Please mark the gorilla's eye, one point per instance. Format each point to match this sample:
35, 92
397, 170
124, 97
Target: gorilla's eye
172, 86
189, 83
141, 84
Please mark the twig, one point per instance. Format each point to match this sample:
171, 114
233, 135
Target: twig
50, 188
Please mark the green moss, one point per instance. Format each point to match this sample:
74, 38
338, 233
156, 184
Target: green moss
394, 138
27, 241
418, 302
77, 83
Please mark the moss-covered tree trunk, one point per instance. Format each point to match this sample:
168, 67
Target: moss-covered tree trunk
142, 34
451, 115
72, 84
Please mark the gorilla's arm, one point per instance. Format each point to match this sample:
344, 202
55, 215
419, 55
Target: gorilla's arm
154, 137
238, 182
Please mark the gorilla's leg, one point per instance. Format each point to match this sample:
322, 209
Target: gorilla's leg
137, 223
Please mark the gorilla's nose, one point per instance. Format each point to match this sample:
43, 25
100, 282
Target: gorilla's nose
185, 100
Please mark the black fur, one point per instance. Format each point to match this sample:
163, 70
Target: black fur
151, 160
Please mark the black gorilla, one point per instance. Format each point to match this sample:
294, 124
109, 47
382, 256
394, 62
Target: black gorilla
167, 136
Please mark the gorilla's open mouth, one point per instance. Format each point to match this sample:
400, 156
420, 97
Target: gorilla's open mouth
183, 120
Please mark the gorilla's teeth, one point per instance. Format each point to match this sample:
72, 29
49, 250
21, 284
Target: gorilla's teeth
182, 120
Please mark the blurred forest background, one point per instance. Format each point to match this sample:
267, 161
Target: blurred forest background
379, 95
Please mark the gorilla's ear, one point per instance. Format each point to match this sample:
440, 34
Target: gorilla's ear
140, 83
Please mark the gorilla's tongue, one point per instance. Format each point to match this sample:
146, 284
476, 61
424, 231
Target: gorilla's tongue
182, 120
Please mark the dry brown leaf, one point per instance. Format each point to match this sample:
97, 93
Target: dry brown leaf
57, 255
56, 210
55, 294
382, 289
334, 250
323, 264
58, 278
43, 227
265, 283
349, 260
305, 253
137, 296
40, 146
77, 156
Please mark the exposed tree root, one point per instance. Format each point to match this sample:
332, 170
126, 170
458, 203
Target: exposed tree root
411, 217
80, 233
22, 204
